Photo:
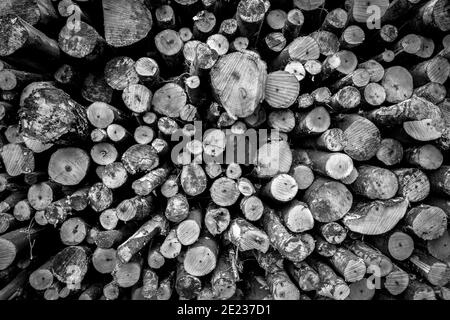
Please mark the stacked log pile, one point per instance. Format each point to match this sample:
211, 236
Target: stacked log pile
224, 149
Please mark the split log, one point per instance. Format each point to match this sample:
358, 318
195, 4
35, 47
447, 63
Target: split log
376, 217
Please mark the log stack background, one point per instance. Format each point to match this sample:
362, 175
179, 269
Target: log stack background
347, 198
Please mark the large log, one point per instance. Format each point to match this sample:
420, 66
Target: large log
126, 22
232, 79
293, 247
51, 116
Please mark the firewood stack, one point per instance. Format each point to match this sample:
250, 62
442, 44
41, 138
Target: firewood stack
224, 149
